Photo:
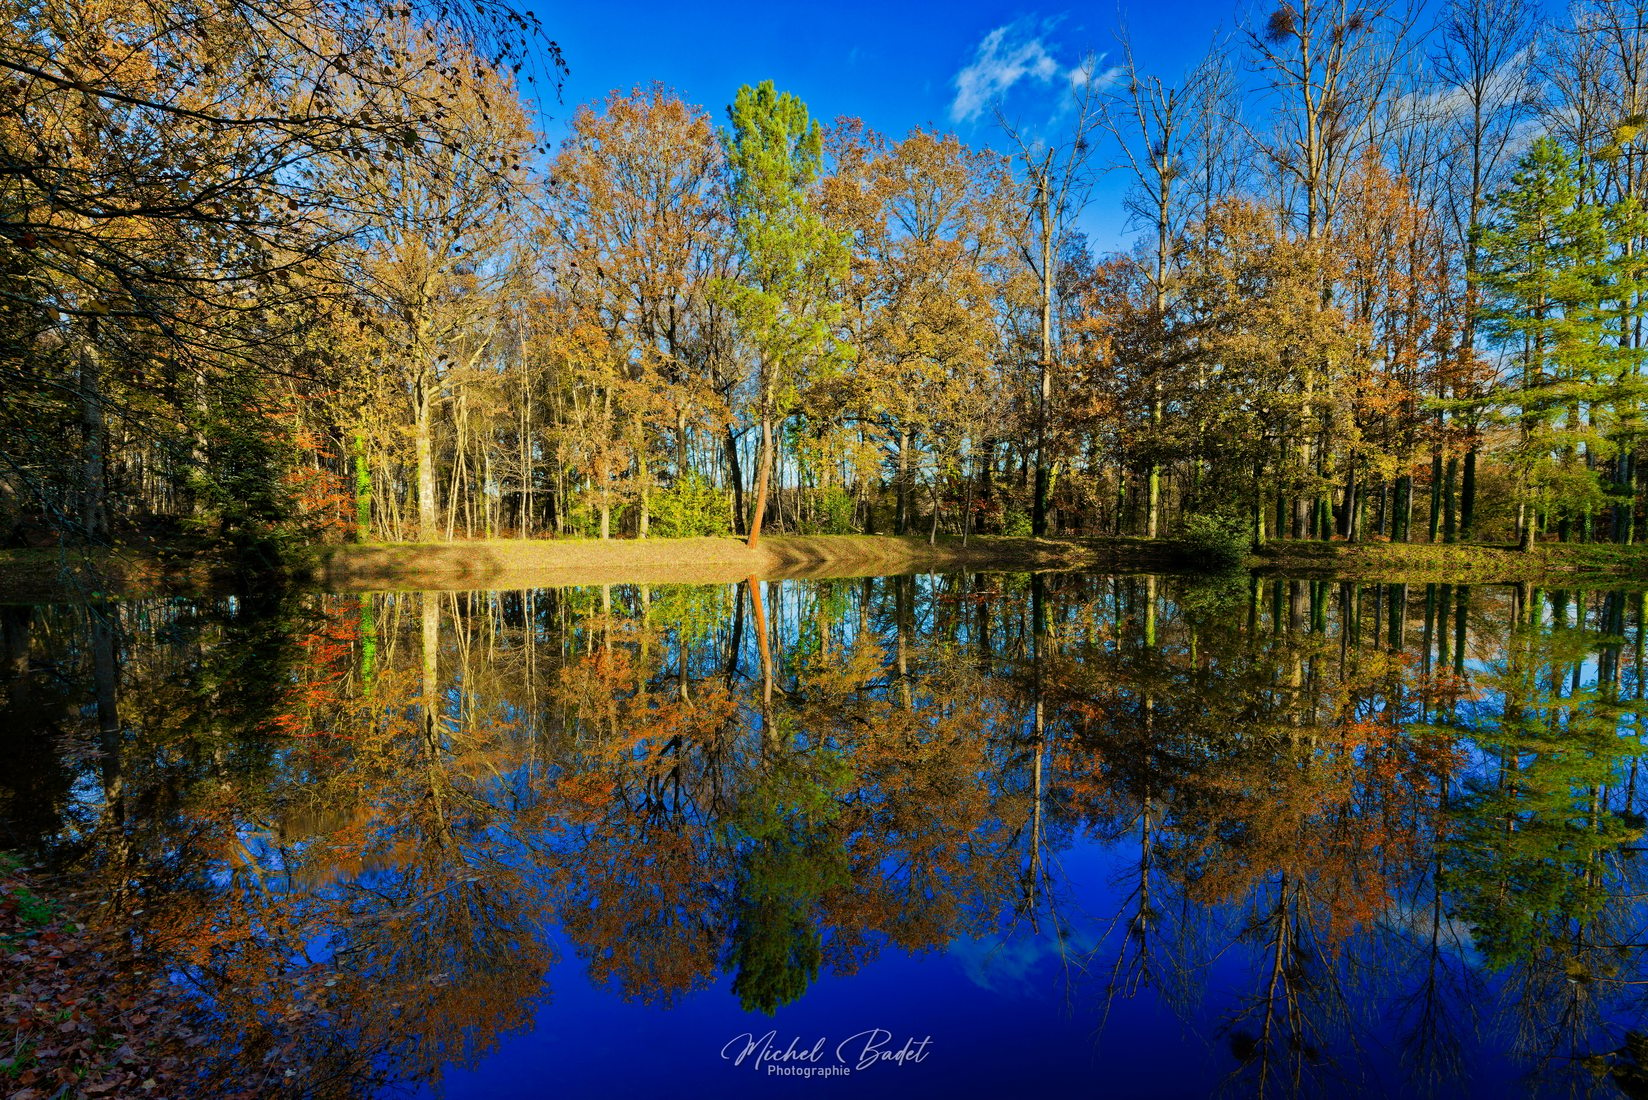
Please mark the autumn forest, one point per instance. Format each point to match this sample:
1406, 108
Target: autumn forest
390, 839
506, 591
273, 275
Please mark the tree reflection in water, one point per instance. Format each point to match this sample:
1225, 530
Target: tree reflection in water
1339, 820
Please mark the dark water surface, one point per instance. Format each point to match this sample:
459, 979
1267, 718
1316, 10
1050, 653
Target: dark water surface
944, 836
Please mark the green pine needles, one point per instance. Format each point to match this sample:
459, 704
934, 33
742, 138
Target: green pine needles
1564, 290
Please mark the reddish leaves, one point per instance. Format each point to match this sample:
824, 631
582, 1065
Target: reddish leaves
81, 1016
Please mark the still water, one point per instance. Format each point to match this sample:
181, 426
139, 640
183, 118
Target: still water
906, 836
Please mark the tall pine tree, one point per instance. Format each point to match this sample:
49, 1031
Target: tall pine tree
789, 257
1546, 268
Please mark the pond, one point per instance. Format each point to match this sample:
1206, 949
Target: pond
902, 836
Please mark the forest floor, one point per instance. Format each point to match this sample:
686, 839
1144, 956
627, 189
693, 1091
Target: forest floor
53, 574
81, 1016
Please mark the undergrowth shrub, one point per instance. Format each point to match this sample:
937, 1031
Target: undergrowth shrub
691, 507
832, 512
1216, 543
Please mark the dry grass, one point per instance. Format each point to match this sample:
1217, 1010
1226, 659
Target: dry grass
41, 575
44, 575
535, 564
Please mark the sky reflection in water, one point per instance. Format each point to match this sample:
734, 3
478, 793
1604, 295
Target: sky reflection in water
1131, 836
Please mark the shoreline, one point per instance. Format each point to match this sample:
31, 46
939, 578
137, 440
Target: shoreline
46, 575
1546, 564
55, 574
556, 563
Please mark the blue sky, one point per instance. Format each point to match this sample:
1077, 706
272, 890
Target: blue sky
895, 65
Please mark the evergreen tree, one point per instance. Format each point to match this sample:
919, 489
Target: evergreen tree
1534, 845
789, 257
1558, 293
1627, 225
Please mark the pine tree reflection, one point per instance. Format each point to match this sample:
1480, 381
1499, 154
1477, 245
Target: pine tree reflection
1342, 815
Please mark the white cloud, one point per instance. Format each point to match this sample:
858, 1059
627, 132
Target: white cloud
1006, 56
1090, 73
1009, 964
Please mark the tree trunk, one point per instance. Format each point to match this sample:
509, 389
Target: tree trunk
525, 518
1450, 525
901, 522
1467, 499
1258, 506
1404, 508
428, 528
1347, 521
94, 489
1164, 244
645, 475
429, 618
604, 471
1629, 532
769, 736
1436, 493
763, 477
680, 444
558, 500
736, 473
1038, 518
987, 479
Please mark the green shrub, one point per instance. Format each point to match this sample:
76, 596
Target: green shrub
1205, 598
832, 512
693, 611
691, 507
1015, 522
1216, 543
246, 489
583, 518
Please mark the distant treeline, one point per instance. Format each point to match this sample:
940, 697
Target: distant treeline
276, 274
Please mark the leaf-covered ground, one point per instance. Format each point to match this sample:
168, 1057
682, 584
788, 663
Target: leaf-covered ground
79, 1015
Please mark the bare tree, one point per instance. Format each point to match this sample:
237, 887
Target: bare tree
1155, 125
1057, 181
1331, 65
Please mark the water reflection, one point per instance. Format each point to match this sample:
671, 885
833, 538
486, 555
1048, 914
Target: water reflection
1380, 838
